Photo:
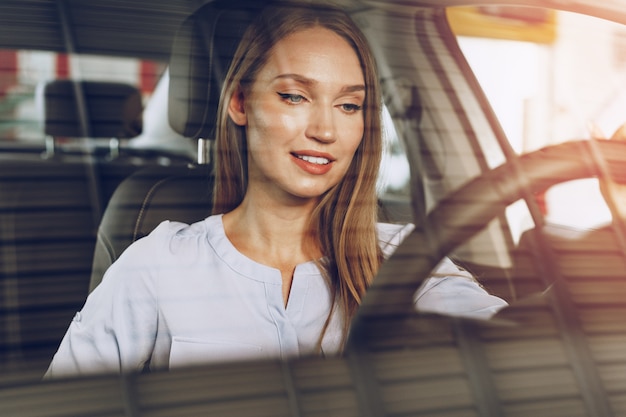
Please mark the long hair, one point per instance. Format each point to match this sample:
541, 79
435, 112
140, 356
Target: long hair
343, 224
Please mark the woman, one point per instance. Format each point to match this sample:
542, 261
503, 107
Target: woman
281, 267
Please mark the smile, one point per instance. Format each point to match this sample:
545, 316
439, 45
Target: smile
313, 164
313, 159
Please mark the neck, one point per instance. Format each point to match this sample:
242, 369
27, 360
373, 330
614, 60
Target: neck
275, 236
270, 233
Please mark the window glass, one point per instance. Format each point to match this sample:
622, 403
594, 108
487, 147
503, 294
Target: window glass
23, 73
394, 172
394, 176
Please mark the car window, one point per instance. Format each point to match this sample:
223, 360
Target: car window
23, 73
394, 179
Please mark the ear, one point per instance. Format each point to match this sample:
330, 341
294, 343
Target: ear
236, 108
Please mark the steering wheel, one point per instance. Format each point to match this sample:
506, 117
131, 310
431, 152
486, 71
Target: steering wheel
468, 210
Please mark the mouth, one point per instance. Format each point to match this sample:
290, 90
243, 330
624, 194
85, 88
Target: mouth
314, 163
318, 160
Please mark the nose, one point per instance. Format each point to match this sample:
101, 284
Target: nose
321, 126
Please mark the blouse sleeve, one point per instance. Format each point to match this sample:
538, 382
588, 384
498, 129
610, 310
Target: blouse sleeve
116, 328
455, 292
450, 290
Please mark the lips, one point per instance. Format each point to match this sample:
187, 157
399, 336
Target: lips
313, 162
314, 159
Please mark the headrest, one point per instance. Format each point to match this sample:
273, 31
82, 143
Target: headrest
201, 54
113, 110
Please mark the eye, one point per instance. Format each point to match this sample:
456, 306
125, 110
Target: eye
350, 107
291, 98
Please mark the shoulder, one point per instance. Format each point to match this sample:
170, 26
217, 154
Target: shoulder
170, 244
152, 261
172, 238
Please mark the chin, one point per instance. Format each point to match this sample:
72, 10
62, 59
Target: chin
312, 193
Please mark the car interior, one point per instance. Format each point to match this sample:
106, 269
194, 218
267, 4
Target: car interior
72, 203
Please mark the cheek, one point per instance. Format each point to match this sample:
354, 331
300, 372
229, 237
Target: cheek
350, 148
353, 137
266, 125
353, 140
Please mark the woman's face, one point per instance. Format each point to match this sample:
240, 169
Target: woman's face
303, 115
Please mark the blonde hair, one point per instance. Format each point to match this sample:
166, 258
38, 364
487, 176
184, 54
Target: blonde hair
343, 224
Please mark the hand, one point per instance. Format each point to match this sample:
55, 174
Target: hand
597, 133
620, 133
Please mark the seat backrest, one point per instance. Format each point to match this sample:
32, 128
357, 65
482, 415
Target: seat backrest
90, 109
110, 110
201, 54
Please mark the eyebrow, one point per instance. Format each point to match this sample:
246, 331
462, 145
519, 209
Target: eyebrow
309, 82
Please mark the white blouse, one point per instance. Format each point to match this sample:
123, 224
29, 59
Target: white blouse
185, 295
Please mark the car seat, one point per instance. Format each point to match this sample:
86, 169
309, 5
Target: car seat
201, 54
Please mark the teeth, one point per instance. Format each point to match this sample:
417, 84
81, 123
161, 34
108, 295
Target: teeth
314, 159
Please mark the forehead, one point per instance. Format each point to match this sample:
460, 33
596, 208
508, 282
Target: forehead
317, 53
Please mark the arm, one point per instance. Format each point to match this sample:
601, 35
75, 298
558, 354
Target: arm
116, 329
450, 290
456, 292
